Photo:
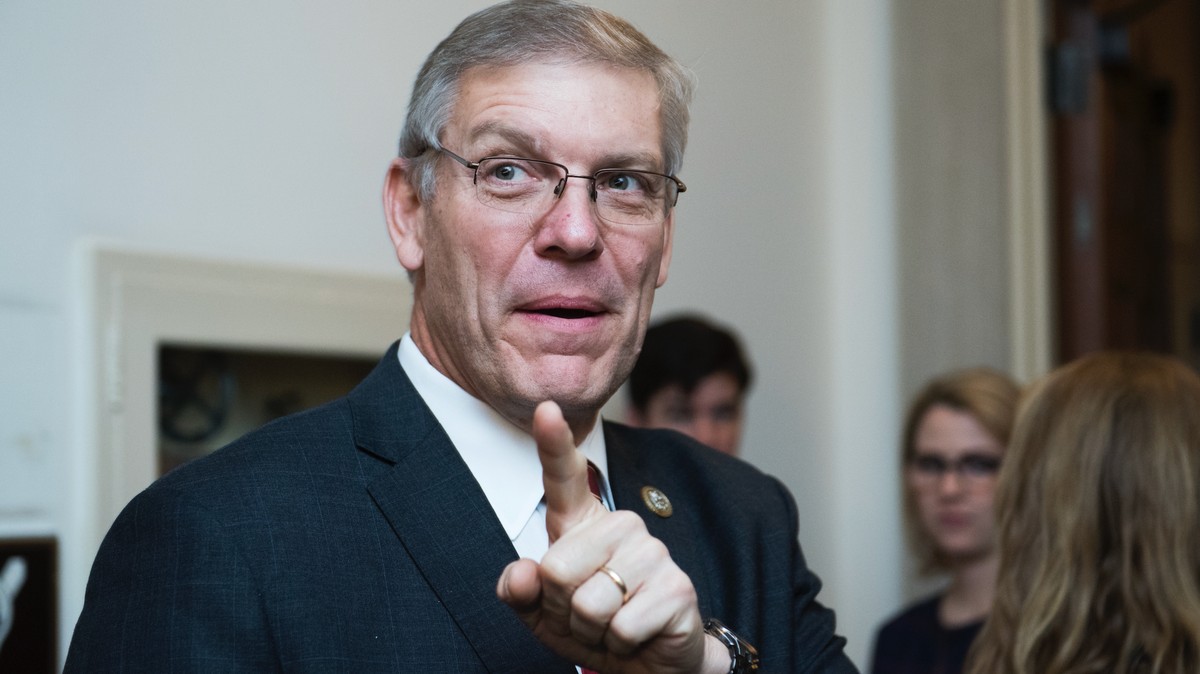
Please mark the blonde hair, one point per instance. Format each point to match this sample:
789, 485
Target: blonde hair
987, 395
1099, 524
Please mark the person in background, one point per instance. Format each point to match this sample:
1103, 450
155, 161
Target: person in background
1098, 516
691, 376
954, 441
465, 509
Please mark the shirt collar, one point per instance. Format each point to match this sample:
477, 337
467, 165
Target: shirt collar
502, 457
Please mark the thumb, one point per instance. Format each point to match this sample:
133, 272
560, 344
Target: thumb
564, 471
520, 586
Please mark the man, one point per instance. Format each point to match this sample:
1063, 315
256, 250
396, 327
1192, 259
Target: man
440, 518
691, 377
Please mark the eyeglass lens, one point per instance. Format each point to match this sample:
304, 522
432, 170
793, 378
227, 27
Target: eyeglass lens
969, 466
530, 186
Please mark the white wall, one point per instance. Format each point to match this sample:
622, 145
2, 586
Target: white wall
260, 131
952, 213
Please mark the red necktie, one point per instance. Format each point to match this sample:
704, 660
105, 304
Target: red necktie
594, 481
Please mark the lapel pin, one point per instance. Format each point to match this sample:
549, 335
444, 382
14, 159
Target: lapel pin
657, 501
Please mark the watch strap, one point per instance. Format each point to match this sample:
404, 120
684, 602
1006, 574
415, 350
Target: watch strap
743, 656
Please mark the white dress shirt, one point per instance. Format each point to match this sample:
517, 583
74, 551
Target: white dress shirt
502, 457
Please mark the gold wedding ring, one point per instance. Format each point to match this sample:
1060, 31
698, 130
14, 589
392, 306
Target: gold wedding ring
616, 578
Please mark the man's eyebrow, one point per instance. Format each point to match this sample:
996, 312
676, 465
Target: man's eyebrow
521, 140
524, 142
647, 161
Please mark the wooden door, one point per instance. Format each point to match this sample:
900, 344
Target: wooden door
1125, 87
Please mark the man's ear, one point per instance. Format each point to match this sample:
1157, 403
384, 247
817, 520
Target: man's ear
668, 239
405, 215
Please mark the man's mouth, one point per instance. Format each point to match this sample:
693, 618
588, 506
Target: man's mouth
568, 308
563, 312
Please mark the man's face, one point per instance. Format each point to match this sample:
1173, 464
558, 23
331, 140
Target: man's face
711, 413
517, 308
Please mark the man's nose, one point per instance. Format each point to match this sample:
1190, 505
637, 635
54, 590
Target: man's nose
704, 429
571, 230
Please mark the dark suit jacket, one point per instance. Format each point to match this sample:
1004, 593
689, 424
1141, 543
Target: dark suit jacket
353, 538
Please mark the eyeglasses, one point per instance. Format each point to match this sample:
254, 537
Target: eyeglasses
531, 186
972, 469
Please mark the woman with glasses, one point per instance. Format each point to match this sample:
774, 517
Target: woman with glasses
955, 436
1098, 524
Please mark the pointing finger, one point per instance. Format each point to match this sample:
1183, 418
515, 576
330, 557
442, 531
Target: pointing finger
564, 471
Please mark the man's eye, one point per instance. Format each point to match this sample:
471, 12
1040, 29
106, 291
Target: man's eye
679, 415
726, 414
507, 172
625, 182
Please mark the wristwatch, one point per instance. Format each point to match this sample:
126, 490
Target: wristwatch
744, 656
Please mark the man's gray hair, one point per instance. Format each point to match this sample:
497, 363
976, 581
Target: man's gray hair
537, 31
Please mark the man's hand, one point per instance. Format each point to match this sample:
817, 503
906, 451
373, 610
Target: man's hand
578, 610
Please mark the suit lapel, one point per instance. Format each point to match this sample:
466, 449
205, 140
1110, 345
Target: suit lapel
632, 466
443, 519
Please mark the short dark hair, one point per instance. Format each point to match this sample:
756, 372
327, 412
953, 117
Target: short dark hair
681, 351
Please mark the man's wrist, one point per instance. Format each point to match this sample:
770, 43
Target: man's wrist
716, 656
741, 656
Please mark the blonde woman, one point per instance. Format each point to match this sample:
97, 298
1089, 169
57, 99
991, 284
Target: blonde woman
1099, 524
954, 440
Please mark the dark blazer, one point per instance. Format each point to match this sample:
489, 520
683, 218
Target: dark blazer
353, 538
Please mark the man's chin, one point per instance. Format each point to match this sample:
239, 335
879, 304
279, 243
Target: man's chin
573, 396
576, 397
580, 384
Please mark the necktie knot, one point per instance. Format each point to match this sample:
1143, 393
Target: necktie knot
594, 480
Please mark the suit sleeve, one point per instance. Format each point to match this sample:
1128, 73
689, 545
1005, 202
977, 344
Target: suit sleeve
816, 647
170, 591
